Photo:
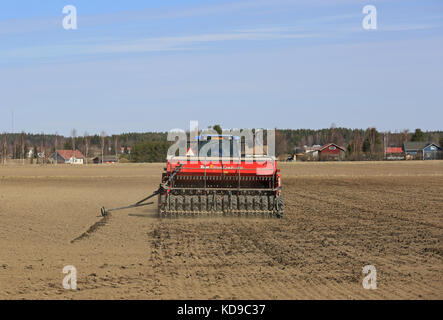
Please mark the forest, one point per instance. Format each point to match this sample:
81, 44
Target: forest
360, 144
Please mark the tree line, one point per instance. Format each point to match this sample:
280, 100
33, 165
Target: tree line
360, 144
38, 148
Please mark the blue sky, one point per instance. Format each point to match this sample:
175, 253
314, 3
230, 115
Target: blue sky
155, 65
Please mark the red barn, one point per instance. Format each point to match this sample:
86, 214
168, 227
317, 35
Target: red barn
331, 151
394, 150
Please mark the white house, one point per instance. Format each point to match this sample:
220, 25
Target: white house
68, 156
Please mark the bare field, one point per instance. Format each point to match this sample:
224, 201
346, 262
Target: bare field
339, 218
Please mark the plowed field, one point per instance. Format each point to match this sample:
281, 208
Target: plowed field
339, 217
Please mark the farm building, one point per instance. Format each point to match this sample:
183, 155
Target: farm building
106, 159
331, 151
422, 150
394, 153
394, 150
40, 153
125, 150
312, 152
68, 156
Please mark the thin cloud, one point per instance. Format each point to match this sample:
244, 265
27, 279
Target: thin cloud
37, 24
148, 44
26, 25
407, 27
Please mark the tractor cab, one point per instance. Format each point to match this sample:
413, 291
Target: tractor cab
222, 145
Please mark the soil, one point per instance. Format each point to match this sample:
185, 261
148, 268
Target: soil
339, 217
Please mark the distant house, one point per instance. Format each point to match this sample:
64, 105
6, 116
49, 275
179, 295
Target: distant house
422, 150
331, 151
308, 153
40, 154
125, 150
313, 152
394, 150
30, 153
106, 159
315, 147
68, 156
394, 153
